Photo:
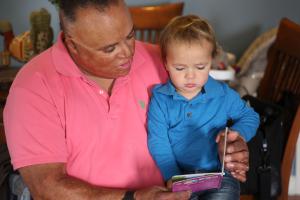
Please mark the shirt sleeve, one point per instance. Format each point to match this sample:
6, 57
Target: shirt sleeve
246, 120
33, 128
158, 140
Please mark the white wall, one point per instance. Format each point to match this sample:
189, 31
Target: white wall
238, 22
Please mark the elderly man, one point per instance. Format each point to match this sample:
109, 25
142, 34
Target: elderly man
75, 116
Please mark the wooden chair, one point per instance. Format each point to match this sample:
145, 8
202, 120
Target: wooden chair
289, 152
283, 69
150, 20
286, 163
282, 75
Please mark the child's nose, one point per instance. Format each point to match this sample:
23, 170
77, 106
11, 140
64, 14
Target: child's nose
190, 74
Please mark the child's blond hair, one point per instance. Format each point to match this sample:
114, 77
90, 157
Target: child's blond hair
190, 29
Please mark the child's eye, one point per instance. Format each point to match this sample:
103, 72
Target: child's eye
179, 68
200, 67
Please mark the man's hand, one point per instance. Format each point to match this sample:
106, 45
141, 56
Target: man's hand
237, 154
161, 193
169, 184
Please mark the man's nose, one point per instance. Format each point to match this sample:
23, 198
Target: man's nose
126, 49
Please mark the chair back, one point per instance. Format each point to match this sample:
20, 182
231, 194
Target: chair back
289, 155
282, 73
150, 20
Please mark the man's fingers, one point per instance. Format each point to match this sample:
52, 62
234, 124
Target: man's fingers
161, 193
173, 195
169, 184
232, 136
239, 176
237, 166
219, 136
236, 145
241, 157
183, 195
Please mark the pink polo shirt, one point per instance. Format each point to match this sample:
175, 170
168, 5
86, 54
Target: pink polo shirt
56, 114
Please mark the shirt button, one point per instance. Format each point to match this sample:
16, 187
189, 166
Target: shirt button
189, 114
101, 92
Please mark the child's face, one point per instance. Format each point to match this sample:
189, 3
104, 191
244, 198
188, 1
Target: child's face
188, 66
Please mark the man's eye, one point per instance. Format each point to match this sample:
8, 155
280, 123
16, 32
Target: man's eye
130, 36
109, 49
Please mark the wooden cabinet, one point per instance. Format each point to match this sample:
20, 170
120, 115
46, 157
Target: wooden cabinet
7, 75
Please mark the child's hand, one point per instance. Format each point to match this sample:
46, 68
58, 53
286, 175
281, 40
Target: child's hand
169, 184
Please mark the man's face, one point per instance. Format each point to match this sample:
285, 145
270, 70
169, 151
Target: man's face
102, 42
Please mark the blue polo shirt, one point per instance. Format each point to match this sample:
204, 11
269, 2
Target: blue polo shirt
182, 132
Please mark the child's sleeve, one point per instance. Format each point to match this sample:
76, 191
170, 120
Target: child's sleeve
158, 140
246, 120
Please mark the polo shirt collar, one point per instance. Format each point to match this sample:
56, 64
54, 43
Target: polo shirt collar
138, 57
214, 88
211, 89
62, 60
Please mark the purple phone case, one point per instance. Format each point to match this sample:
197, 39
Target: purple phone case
198, 183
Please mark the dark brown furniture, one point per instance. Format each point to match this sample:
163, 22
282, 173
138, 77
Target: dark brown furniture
286, 163
282, 75
150, 20
283, 69
7, 75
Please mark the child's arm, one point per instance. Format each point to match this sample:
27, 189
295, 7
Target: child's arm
245, 119
158, 140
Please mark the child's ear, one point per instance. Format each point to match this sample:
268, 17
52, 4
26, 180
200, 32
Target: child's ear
165, 65
167, 69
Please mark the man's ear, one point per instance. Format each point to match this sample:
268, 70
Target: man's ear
70, 45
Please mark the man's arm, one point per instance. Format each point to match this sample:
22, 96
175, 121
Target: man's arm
50, 181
